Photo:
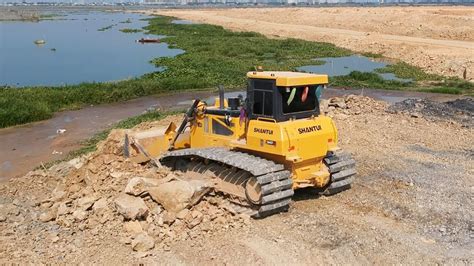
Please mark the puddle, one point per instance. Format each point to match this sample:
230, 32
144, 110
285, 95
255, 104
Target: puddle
183, 22
341, 66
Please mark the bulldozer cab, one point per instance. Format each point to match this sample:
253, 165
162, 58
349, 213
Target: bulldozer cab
282, 96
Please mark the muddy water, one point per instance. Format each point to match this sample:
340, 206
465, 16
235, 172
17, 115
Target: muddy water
26, 147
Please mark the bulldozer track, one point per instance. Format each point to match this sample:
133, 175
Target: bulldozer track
342, 169
258, 187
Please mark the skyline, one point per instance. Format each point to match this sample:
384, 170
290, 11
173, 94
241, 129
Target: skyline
184, 2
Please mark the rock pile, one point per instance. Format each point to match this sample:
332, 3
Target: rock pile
104, 193
342, 107
460, 110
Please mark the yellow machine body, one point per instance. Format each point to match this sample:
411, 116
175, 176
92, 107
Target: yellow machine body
299, 144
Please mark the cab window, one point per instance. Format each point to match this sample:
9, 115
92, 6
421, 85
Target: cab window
263, 98
298, 99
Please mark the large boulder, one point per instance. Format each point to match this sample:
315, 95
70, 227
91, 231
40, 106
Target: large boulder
131, 207
139, 185
174, 196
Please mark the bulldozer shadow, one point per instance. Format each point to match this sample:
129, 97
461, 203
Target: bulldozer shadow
307, 193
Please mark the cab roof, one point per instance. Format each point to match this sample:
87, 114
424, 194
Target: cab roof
288, 78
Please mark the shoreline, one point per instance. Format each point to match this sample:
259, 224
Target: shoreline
370, 29
227, 67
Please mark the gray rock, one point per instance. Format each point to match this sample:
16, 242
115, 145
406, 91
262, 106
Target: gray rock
133, 227
338, 102
48, 216
100, 204
174, 196
169, 218
79, 215
139, 185
62, 209
197, 219
58, 193
131, 208
323, 105
200, 188
183, 213
77, 162
86, 202
416, 115
143, 242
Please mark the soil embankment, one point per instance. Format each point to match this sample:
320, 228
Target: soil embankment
438, 39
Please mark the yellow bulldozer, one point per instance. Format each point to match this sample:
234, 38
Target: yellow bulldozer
256, 151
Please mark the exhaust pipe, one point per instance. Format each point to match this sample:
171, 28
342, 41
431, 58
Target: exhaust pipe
221, 97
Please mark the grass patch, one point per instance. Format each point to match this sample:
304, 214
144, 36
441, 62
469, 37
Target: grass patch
357, 79
373, 55
421, 81
218, 56
429, 82
407, 71
50, 16
131, 30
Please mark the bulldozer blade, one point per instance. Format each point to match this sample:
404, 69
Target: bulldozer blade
144, 146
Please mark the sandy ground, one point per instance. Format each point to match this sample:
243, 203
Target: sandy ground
437, 39
410, 204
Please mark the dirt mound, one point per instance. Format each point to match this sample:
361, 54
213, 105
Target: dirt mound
103, 193
460, 110
342, 107
103, 209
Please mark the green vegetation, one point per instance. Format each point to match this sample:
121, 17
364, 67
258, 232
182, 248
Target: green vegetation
107, 28
358, 79
50, 16
213, 56
421, 81
429, 82
131, 30
407, 71
126, 21
218, 56
372, 55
